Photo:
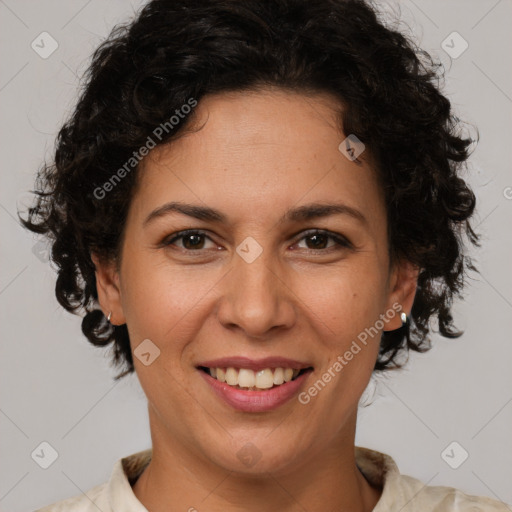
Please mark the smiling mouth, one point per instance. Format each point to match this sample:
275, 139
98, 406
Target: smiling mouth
249, 380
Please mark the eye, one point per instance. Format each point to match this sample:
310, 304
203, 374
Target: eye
191, 240
319, 241
316, 240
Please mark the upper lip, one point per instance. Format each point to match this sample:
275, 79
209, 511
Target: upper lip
255, 364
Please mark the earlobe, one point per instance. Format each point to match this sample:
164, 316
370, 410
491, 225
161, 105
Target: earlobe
109, 290
404, 285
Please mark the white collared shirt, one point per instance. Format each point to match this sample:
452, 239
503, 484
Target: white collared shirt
400, 493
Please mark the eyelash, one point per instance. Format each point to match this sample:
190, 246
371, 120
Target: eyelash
340, 241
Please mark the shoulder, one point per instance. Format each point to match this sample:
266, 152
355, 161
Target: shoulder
116, 494
443, 499
90, 502
407, 494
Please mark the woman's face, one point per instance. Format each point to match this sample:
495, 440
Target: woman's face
256, 283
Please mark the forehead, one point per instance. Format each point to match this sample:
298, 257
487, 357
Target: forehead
263, 149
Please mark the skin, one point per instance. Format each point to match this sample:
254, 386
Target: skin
253, 156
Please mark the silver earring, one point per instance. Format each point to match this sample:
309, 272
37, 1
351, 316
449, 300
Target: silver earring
403, 317
109, 316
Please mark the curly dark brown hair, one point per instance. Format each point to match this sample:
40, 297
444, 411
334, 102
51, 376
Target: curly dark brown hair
175, 50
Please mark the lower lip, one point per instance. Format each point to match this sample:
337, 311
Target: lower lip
256, 401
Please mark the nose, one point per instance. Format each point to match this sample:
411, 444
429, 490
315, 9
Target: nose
256, 298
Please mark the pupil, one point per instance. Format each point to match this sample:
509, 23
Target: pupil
193, 245
317, 237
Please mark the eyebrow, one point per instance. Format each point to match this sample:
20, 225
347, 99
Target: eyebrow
300, 213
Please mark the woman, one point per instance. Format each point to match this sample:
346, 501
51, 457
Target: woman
258, 204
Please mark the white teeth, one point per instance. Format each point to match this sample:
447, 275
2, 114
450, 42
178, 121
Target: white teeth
246, 378
278, 376
231, 376
288, 374
221, 375
262, 379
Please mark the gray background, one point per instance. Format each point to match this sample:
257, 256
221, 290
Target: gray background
57, 388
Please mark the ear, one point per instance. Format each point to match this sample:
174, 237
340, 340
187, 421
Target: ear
402, 290
109, 290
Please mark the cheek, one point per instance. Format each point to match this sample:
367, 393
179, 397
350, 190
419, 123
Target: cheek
161, 300
343, 306
346, 298
345, 315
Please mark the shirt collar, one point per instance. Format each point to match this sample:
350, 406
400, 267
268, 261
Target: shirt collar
125, 473
381, 471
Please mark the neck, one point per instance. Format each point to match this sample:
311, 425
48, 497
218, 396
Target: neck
178, 479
